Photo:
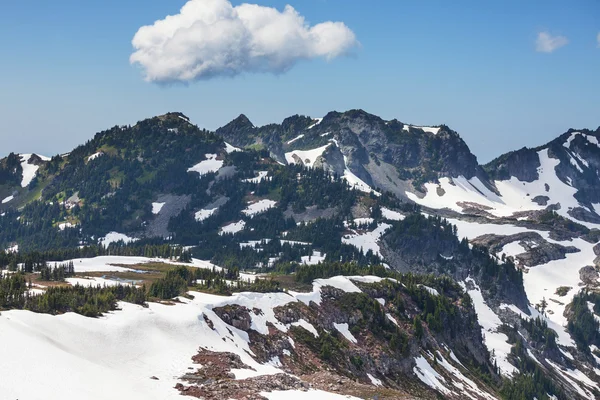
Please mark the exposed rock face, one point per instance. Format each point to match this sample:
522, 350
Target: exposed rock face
536, 249
158, 227
384, 154
236, 316
522, 164
425, 252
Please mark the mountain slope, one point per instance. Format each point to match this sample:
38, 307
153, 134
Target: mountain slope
515, 241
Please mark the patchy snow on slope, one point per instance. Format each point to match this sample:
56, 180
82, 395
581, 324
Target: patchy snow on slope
204, 214
319, 120
295, 139
64, 225
233, 228
515, 195
156, 207
430, 290
574, 376
343, 283
114, 237
316, 258
374, 381
367, 241
567, 143
345, 331
259, 207
306, 325
306, 157
94, 156
211, 164
428, 375
7, 199
429, 129
496, 342
230, 149
465, 384
261, 176
391, 215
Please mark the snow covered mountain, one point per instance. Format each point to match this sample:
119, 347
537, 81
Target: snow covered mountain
510, 310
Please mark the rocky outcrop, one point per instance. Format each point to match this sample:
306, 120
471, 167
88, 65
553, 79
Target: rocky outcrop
536, 249
384, 154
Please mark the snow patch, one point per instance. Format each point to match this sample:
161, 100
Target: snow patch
114, 237
156, 207
211, 164
233, 228
204, 214
259, 207
343, 329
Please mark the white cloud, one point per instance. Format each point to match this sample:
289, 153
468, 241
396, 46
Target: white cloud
210, 38
546, 43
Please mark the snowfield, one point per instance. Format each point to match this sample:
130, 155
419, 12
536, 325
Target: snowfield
515, 195
306, 157
116, 356
211, 164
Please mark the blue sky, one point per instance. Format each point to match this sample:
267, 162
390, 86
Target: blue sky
472, 65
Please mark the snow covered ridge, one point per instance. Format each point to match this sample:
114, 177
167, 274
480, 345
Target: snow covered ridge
143, 353
514, 195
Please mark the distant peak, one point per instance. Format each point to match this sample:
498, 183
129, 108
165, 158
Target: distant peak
174, 115
242, 120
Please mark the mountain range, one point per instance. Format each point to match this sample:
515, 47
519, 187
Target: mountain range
399, 266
